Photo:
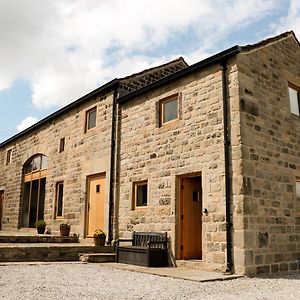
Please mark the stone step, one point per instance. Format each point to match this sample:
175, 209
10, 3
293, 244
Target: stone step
193, 264
41, 238
97, 257
47, 252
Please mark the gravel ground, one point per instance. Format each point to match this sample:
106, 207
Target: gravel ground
93, 281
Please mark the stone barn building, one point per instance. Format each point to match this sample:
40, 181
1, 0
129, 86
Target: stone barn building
209, 153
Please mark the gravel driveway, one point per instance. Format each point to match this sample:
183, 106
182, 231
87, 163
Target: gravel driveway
93, 281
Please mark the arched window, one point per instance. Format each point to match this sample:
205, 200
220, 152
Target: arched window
34, 184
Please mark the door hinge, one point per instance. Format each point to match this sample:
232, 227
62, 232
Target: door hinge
181, 248
181, 217
182, 186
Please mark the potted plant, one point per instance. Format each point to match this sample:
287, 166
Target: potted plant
40, 226
64, 229
99, 237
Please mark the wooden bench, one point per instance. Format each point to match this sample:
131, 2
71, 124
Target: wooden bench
149, 249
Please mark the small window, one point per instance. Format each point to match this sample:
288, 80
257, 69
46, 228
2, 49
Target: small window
297, 206
8, 156
140, 194
90, 121
98, 188
59, 199
62, 145
294, 96
169, 109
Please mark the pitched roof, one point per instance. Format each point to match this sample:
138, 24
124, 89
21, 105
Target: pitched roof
127, 84
217, 58
136, 81
136, 84
270, 40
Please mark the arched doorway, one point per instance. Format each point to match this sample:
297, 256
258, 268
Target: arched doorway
34, 184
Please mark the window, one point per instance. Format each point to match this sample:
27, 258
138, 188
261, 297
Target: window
294, 92
8, 156
169, 109
34, 190
59, 199
297, 206
140, 194
90, 119
62, 145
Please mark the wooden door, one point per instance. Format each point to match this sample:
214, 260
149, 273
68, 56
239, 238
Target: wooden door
190, 215
1, 207
95, 203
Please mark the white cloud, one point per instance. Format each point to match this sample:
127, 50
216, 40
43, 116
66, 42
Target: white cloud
291, 21
27, 122
67, 48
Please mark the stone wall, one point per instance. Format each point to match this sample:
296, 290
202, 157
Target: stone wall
192, 144
271, 156
85, 154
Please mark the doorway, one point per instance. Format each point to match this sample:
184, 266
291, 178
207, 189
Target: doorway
34, 190
95, 203
1, 207
190, 218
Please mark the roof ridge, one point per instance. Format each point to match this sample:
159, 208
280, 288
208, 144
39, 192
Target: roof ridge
138, 80
176, 60
269, 40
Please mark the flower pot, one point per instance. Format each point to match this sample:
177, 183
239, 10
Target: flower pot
99, 240
65, 231
41, 229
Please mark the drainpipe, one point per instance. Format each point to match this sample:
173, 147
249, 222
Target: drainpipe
112, 167
229, 260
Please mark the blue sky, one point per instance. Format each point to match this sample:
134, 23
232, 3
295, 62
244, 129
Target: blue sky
53, 52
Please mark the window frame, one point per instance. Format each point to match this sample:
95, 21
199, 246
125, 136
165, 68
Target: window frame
87, 114
135, 194
62, 143
8, 156
297, 89
57, 195
162, 103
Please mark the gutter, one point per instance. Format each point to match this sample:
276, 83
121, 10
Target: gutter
229, 260
106, 87
217, 58
112, 166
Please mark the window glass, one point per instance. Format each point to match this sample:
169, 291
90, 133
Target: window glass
293, 94
91, 119
170, 110
62, 145
36, 164
8, 156
141, 194
297, 206
59, 199
298, 188
28, 168
44, 162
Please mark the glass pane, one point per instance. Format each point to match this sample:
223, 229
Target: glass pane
91, 119
298, 189
170, 110
26, 193
294, 101
44, 162
60, 192
33, 203
36, 164
28, 168
141, 195
42, 198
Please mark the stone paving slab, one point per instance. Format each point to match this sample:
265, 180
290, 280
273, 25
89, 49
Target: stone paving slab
175, 272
